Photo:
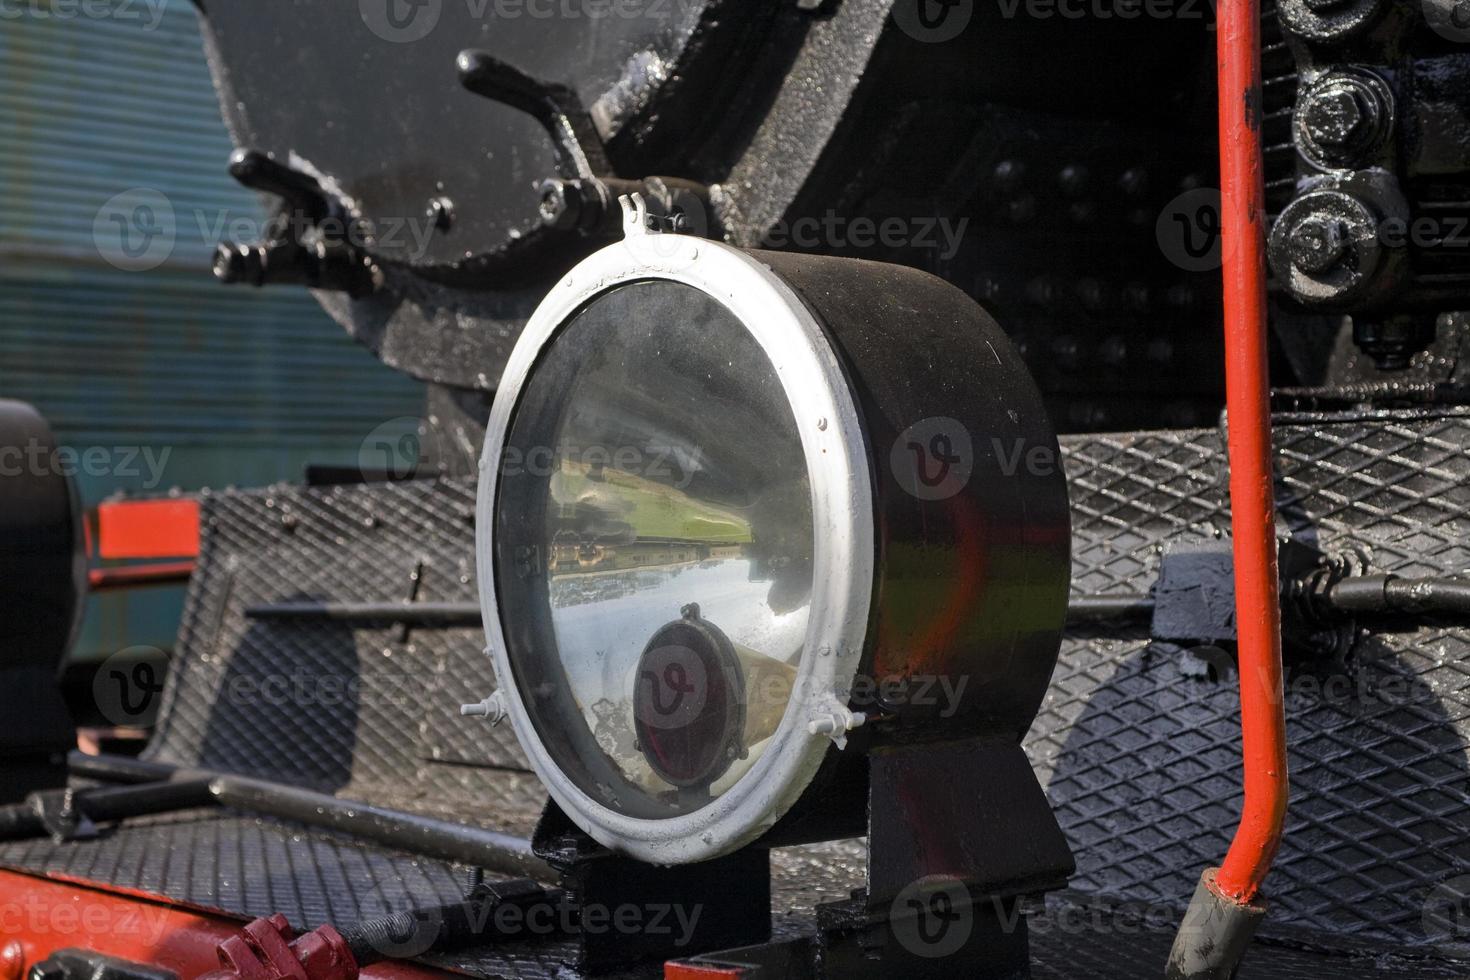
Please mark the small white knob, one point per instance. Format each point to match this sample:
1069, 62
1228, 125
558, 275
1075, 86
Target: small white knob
836, 722
492, 708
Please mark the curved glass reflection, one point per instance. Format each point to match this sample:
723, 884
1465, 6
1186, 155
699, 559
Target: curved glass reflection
654, 549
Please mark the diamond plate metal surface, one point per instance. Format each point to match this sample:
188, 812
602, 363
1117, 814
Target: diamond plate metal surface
1143, 764
370, 712
247, 867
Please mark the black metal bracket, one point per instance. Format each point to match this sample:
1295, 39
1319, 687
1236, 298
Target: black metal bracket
298, 245
578, 149
583, 197
73, 813
59, 815
951, 863
698, 907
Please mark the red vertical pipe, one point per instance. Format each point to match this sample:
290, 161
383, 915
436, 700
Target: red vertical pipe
1252, 507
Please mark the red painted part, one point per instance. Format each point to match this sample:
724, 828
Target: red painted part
1252, 507
701, 971
265, 950
129, 576
43, 915
165, 528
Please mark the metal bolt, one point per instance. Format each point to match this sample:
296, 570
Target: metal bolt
441, 212
1333, 116
557, 205
1073, 179
1318, 243
1041, 291
1326, 248
1134, 182
1160, 350
1093, 294
1136, 294
1008, 174
1021, 210
493, 709
835, 724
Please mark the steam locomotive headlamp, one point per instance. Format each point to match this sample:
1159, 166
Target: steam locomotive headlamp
745, 517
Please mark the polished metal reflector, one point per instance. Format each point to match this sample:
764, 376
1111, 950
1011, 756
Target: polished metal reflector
653, 548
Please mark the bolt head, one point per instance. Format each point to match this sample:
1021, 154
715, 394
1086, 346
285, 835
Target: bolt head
440, 211
1334, 116
558, 205
1318, 243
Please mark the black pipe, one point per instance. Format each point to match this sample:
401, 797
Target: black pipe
1369, 594
1357, 595
104, 805
1081, 609
473, 846
1130, 606
430, 837
121, 802
442, 614
117, 768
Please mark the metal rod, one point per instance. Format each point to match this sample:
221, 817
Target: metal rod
1252, 503
1390, 594
141, 799
104, 804
474, 846
1216, 930
1132, 606
1370, 594
1080, 609
445, 614
117, 768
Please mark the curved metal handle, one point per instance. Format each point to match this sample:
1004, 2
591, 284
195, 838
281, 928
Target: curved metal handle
574, 139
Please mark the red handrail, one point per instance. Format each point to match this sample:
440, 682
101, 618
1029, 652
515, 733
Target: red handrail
1252, 506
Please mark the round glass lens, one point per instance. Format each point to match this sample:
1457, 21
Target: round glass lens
653, 549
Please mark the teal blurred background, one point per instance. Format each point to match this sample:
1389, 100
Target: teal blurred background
214, 385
